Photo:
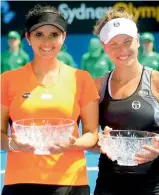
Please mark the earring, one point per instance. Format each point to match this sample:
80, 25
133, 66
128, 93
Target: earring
30, 44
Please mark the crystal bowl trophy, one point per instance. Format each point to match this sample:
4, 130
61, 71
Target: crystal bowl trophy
43, 133
123, 145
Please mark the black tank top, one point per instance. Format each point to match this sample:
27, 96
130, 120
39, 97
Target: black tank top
140, 111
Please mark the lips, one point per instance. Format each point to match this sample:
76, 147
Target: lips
46, 49
123, 58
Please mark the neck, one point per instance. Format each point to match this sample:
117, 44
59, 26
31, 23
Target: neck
127, 73
43, 66
14, 49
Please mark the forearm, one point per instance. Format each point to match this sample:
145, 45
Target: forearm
94, 149
4, 142
86, 141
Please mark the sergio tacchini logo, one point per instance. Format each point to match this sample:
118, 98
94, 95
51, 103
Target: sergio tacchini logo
116, 24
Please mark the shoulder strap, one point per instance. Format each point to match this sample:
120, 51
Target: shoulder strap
103, 86
146, 79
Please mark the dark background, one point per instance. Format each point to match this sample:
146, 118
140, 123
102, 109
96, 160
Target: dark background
80, 29
20, 8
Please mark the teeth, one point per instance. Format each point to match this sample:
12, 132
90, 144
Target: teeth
46, 49
123, 57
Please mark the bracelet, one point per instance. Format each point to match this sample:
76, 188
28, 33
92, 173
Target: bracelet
9, 145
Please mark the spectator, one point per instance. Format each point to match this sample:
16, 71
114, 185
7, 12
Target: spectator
148, 57
15, 56
95, 61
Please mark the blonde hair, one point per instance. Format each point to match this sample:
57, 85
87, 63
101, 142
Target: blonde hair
112, 14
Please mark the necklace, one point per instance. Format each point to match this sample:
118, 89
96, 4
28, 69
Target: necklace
121, 82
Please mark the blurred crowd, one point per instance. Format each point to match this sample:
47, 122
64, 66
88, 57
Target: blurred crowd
95, 60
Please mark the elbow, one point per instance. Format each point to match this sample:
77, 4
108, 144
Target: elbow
94, 138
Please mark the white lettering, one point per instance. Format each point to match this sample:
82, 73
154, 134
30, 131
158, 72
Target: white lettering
66, 12
63, 9
90, 13
82, 12
99, 11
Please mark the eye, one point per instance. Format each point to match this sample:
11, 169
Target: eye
38, 34
113, 45
54, 34
128, 42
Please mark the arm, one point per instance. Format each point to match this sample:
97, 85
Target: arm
89, 112
98, 83
8, 143
4, 111
4, 128
153, 150
12, 145
89, 117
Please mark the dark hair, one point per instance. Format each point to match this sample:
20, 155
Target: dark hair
39, 9
43, 14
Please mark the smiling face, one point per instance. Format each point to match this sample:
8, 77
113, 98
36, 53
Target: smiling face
46, 41
122, 49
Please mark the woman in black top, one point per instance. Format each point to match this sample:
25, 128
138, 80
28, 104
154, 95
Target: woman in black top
129, 100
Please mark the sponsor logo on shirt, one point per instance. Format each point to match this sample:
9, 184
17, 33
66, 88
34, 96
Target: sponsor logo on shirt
26, 95
136, 105
143, 92
46, 96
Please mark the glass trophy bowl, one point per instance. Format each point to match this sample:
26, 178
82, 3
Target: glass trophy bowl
43, 133
123, 145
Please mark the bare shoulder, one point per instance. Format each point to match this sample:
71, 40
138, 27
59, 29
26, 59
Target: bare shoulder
98, 82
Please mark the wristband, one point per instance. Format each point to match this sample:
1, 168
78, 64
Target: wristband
9, 145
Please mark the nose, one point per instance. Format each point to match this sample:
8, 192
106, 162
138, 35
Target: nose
123, 49
46, 40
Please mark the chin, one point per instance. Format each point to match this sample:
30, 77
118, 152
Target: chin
49, 57
126, 63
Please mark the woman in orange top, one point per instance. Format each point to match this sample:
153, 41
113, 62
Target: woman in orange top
72, 94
